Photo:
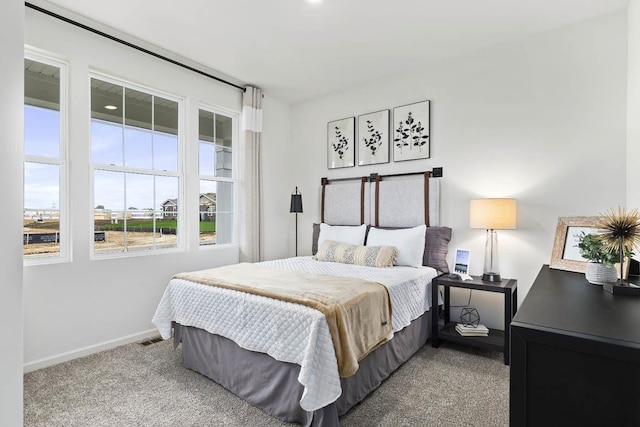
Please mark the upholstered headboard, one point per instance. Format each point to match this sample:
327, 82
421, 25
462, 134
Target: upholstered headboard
388, 201
407, 201
345, 202
400, 200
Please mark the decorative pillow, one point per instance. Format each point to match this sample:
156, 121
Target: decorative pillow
436, 247
353, 234
314, 238
410, 243
345, 253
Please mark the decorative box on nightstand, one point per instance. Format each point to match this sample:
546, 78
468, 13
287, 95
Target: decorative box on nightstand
497, 340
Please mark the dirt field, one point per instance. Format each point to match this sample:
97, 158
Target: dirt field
115, 240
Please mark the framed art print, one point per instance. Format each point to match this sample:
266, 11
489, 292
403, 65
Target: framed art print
373, 138
565, 254
341, 143
411, 132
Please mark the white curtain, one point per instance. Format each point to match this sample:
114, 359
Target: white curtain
251, 249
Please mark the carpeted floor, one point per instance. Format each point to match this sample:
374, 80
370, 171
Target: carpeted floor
134, 385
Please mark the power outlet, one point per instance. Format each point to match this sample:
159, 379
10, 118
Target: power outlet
436, 172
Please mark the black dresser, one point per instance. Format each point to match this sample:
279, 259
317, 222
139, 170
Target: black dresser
575, 355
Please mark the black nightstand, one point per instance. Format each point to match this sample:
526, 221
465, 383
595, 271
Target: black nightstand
497, 340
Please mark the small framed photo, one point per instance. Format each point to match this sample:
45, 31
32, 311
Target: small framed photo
373, 138
341, 143
411, 134
565, 254
461, 264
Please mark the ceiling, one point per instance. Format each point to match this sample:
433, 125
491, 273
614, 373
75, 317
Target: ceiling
296, 50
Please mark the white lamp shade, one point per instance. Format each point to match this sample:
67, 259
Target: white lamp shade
493, 214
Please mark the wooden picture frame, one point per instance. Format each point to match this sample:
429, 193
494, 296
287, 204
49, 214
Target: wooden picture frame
565, 255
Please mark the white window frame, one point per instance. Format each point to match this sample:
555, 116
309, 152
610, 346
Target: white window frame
62, 162
235, 125
124, 169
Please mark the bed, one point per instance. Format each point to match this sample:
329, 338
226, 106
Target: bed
279, 355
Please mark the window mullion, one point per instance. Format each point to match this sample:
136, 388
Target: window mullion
42, 159
142, 171
124, 162
153, 132
216, 178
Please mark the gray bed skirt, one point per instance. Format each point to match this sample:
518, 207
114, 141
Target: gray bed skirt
273, 386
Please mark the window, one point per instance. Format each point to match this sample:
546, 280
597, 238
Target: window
216, 159
136, 169
44, 210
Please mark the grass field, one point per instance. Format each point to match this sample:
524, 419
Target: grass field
132, 224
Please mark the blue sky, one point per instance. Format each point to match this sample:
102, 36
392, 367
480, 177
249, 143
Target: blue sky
142, 149
41, 138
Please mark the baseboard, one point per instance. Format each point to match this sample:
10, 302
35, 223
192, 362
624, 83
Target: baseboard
70, 355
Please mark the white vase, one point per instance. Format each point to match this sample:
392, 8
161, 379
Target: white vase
599, 274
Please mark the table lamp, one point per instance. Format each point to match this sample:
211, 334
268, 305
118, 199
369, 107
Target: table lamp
492, 215
296, 207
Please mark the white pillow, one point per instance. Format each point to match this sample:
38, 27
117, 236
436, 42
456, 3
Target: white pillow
352, 234
409, 242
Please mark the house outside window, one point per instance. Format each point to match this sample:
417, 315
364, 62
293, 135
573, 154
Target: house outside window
170, 208
135, 146
45, 219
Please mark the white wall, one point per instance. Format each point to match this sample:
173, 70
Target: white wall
633, 106
276, 174
11, 88
87, 305
542, 120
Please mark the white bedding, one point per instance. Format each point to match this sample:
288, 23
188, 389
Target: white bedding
290, 332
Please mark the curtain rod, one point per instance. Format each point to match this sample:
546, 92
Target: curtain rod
131, 45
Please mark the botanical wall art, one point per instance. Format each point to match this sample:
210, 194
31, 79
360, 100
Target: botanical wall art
410, 129
373, 138
340, 143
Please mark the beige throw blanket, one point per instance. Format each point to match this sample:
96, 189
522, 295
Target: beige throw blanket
358, 312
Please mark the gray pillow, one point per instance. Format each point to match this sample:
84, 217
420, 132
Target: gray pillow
314, 241
436, 248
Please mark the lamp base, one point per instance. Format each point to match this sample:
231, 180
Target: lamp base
491, 277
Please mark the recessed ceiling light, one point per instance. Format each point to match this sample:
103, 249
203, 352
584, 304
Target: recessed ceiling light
314, 1
110, 107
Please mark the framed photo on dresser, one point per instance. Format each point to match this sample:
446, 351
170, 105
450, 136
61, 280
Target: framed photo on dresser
565, 254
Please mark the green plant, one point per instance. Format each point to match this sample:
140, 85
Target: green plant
592, 248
